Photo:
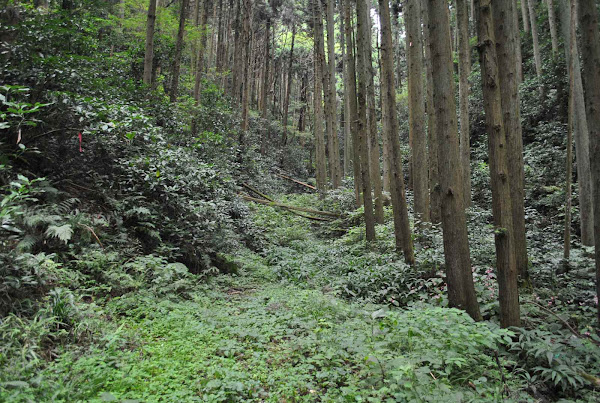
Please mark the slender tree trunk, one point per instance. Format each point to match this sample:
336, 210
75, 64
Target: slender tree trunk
590, 35
353, 105
434, 179
506, 33
464, 69
397, 192
500, 180
221, 52
552, 23
334, 144
286, 104
524, 16
149, 56
247, 35
461, 290
363, 35
384, 119
236, 73
418, 141
265, 72
581, 132
201, 50
178, 50
346, 110
374, 150
519, 53
572, 44
318, 97
303, 103
537, 56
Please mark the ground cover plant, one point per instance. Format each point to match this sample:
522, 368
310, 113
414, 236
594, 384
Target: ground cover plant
182, 215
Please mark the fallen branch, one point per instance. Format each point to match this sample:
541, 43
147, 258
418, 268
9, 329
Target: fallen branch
289, 207
296, 181
93, 233
264, 196
575, 332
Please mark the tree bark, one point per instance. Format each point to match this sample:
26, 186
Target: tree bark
374, 150
552, 23
149, 55
334, 144
537, 57
286, 104
524, 16
432, 148
500, 180
363, 35
461, 290
590, 35
464, 69
178, 50
507, 34
402, 232
318, 98
581, 134
346, 110
352, 100
572, 44
247, 59
200, 50
417, 139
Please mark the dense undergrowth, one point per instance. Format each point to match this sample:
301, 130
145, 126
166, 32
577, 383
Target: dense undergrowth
130, 269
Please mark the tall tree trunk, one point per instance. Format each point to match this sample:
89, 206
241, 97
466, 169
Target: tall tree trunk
387, 173
464, 69
221, 52
388, 92
374, 150
537, 56
238, 53
397, 27
507, 34
524, 15
432, 143
581, 132
303, 103
418, 141
247, 35
318, 97
286, 104
178, 50
461, 290
265, 72
508, 285
346, 110
552, 23
201, 49
364, 35
519, 53
572, 45
334, 144
149, 56
353, 105
590, 35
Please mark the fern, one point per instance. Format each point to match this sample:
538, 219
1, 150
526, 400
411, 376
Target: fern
64, 232
27, 243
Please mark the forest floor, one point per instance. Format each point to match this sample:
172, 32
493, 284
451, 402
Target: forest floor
251, 336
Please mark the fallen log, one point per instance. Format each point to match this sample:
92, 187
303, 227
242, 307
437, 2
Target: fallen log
296, 181
290, 207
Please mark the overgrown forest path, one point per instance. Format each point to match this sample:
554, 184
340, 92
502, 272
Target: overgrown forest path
256, 336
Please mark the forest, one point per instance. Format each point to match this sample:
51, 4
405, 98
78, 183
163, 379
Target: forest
299, 201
